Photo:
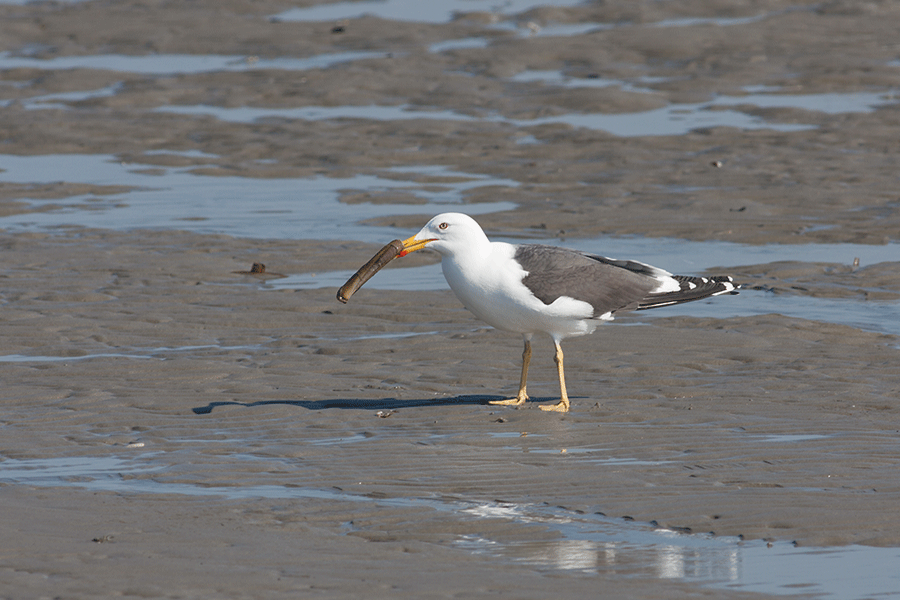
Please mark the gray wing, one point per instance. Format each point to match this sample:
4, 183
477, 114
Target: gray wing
606, 284
609, 285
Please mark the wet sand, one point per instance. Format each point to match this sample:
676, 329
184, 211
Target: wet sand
146, 347
765, 427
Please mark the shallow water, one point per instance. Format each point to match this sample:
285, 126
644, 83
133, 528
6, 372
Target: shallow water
24, 358
686, 257
176, 198
588, 543
179, 64
273, 208
413, 10
160, 353
882, 317
504, 14
676, 119
179, 198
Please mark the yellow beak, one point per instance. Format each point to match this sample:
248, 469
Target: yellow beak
412, 244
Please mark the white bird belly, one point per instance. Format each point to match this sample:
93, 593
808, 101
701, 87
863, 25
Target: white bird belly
493, 291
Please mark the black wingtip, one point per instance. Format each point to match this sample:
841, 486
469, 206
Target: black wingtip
692, 288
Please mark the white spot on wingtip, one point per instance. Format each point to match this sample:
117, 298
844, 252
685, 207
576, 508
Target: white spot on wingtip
729, 287
666, 284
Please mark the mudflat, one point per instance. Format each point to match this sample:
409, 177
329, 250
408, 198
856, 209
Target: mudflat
209, 436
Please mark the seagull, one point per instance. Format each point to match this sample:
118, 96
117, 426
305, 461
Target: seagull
533, 288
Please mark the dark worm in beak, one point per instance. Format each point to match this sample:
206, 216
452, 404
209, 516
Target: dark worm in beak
383, 257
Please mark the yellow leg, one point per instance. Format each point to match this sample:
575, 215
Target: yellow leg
563, 405
521, 397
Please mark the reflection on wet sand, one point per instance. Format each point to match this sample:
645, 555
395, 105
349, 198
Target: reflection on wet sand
584, 543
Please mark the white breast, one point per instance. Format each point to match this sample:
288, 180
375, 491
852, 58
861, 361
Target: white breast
489, 284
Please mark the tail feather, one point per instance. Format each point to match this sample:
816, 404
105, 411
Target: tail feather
692, 288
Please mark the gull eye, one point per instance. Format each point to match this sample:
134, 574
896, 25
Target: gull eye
443, 226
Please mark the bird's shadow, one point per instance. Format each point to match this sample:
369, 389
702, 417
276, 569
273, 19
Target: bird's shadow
355, 403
